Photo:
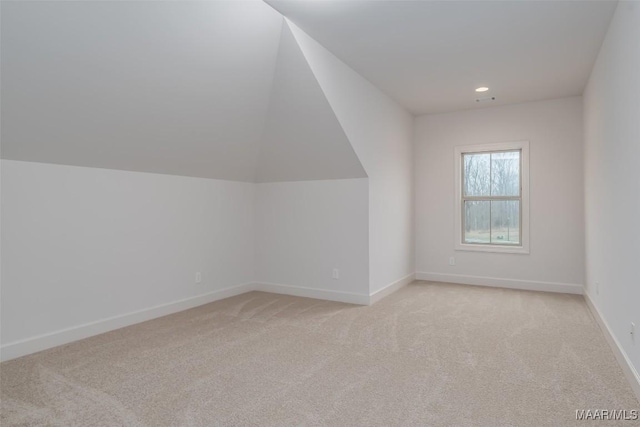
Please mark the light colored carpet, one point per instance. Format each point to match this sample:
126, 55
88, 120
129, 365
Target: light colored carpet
429, 355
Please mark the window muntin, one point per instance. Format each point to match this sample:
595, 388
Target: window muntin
491, 197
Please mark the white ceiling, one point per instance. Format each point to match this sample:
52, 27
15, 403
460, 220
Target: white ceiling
431, 55
184, 88
171, 87
302, 137
220, 89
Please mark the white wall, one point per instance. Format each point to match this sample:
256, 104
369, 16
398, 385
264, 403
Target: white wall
306, 229
380, 132
80, 244
554, 130
88, 250
612, 182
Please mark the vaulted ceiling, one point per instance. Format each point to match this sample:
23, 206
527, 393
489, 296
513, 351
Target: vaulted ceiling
431, 55
209, 89
221, 89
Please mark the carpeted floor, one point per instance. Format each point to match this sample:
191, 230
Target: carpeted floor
429, 355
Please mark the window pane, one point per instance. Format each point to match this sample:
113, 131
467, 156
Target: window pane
505, 173
476, 174
505, 222
476, 222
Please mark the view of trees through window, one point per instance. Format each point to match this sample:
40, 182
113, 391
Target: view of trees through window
491, 197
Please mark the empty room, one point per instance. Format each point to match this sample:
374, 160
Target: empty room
319, 213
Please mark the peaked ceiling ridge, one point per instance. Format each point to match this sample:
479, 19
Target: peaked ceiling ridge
295, 31
227, 94
297, 34
302, 137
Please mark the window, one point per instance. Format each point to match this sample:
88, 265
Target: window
492, 192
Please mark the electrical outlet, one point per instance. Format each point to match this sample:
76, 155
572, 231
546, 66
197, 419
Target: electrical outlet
632, 331
452, 261
198, 277
335, 274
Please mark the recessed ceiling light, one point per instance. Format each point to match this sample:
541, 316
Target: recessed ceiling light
482, 89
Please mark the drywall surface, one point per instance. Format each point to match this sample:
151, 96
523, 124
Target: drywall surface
430, 55
302, 138
177, 88
554, 131
612, 183
80, 244
380, 132
225, 93
306, 229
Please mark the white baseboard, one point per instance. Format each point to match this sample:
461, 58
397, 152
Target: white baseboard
348, 297
621, 356
391, 288
529, 285
38, 343
64, 336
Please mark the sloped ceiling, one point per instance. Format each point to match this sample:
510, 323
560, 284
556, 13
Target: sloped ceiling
431, 55
219, 89
303, 138
209, 89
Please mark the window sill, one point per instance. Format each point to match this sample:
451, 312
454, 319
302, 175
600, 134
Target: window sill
492, 248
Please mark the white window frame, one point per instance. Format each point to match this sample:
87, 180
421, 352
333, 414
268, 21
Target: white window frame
523, 147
